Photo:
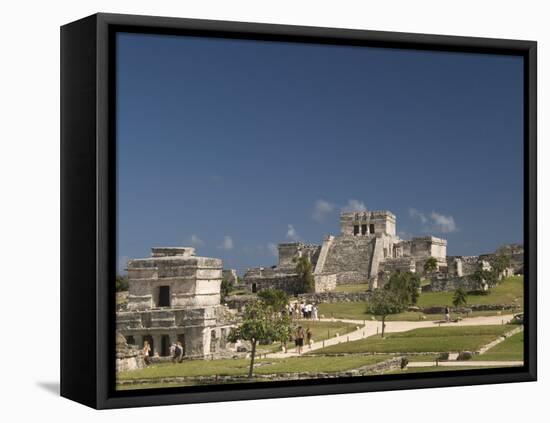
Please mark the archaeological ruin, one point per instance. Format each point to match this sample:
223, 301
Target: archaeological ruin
174, 296
369, 251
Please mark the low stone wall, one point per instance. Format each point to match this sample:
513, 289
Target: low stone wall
451, 284
335, 297
377, 368
237, 302
473, 307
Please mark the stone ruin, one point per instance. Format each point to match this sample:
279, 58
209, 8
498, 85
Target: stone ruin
174, 296
128, 357
366, 249
369, 251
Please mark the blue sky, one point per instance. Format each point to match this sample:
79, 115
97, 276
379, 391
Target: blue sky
235, 145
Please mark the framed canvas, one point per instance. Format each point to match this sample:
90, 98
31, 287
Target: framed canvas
259, 211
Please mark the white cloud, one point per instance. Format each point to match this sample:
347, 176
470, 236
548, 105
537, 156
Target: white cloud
415, 214
272, 248
195, 241
354, 206
442, 223
321, 209
291, 233
227, 243
434, 222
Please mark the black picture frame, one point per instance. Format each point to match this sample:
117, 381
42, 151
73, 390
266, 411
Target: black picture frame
88, 214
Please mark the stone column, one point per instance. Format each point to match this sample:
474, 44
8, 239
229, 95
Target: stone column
173, 337
157, 344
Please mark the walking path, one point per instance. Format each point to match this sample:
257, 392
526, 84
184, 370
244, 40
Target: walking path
372, 327
465, 363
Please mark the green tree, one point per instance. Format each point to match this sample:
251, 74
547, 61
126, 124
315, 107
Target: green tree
121, 283
260, 323
405, 286
225, 288
305, 274
274, 298
460, 297
482, 277
430, 265
499, 264
382, 303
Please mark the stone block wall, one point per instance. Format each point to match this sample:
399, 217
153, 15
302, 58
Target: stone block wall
190, 281
325, 282
259, 279
451, 284
350, 258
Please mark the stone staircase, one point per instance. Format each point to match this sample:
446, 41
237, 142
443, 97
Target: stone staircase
323, 255
377, 256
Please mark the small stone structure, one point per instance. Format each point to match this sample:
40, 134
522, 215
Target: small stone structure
230, 275
127, 357
174, 296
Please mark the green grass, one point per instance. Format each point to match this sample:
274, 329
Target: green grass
505, 293
439, 339
319, 331
234, 367
509, 291
356, 311
508, 350
358, 287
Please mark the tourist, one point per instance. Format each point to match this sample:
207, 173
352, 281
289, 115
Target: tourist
299, 339
178, 353
315, 312
303, 310
146, 352
308, 337
173, 352
447, 314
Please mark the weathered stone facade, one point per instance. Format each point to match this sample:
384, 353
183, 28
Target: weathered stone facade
175, 296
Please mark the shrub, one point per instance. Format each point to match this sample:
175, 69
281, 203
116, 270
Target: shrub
404, 362
443, 356
464, 355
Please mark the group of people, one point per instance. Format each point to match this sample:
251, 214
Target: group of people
301, 335
303, 310
176, 352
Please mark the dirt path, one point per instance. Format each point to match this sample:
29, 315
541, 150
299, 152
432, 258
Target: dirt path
465, 363
373, 327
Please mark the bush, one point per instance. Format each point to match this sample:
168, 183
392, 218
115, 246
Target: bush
404, 362
121, 283
464, 355
444, 356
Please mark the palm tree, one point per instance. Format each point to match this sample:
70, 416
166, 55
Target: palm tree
460, 297
430, 265
305, 274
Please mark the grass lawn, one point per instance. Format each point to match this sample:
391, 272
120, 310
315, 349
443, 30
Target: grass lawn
263, 366
356, 311
505, 293
319, 331
509, 349
358, 287
440, 339
508, 291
